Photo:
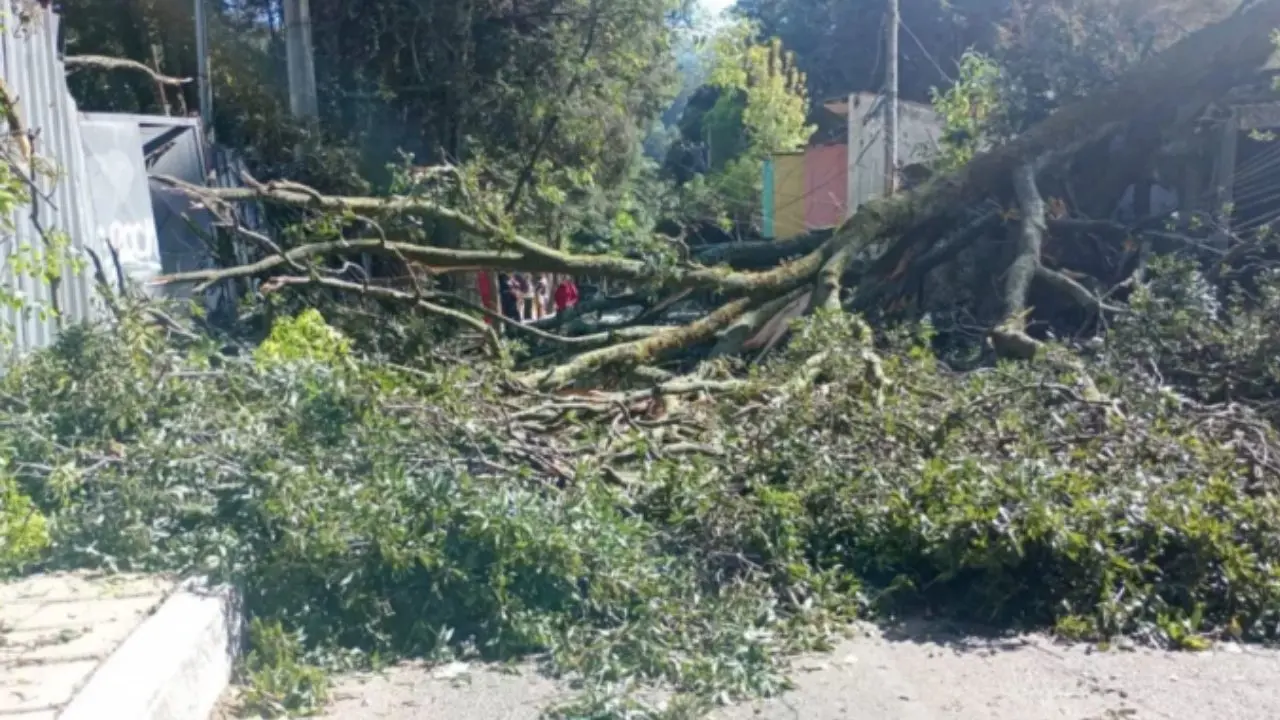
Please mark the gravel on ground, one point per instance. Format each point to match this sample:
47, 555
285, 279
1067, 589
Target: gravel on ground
917, 671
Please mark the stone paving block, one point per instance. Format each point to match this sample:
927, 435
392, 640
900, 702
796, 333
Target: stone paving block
72, 642
56, 630
73, 587
88, 612
14, 614
40, 687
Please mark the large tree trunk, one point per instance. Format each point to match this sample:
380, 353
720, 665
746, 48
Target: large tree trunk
1202, 66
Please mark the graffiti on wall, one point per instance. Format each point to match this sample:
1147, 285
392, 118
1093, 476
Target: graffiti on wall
121, 193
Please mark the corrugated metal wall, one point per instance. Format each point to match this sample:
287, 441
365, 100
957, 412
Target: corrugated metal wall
919, 129
35, 78
826, 185
788, 194
810, 190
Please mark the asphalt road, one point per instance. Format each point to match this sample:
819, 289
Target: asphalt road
913, 673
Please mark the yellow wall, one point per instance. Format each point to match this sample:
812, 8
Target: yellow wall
788, 195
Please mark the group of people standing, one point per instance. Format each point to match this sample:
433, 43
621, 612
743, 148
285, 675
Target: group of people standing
526, 297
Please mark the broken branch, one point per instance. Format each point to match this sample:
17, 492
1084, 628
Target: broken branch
104, 62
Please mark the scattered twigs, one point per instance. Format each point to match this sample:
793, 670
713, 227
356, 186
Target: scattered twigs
104, 285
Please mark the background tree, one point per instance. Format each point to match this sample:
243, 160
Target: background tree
755, 102
1063, 46
554, 93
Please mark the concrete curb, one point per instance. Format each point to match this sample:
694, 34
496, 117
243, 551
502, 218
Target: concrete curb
174, 666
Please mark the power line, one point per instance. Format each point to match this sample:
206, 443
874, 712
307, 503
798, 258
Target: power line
925, 50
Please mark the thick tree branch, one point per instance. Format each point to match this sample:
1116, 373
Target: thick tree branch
111, 63
1200, 64
760, 254
731, 339
1010, 337
640, 351
518, 253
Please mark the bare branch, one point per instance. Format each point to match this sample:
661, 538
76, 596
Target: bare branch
112, 63
517, 252
1010, 337
390, 294
640, 351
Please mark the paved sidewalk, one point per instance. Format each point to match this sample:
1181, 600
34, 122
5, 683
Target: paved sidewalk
919, 672
56, 631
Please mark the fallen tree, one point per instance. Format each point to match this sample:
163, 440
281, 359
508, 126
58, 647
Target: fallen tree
674, 520
875, 260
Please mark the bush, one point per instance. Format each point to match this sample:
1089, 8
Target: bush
336, 493
371, 511
24, 532
1032, 494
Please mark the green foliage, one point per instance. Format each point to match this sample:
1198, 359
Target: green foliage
971, 111
1060, 51
1016, 498
275, 677
338, 498
567, 91
357, 505
776, 100
24, 531
754, 103
1229, 343
305, 337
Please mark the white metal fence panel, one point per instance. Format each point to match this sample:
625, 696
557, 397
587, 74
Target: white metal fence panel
35, 79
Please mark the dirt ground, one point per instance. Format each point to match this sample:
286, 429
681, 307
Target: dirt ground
916, 672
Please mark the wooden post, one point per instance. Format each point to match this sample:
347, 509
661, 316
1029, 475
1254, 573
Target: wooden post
300, 57
851, 159
891, 101
1224, 178
161, 95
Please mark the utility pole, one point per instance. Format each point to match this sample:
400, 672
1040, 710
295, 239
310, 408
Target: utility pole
300, 56
204, 88
891, 101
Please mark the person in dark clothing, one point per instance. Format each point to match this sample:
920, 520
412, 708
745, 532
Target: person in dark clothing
510, 308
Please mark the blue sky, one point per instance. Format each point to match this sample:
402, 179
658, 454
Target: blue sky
716, 5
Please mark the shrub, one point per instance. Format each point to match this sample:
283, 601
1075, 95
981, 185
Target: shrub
337, 494
24, 532
371, 511
1026, 494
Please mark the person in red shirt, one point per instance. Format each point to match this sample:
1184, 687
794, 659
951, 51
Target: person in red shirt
483, 284
566, 294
